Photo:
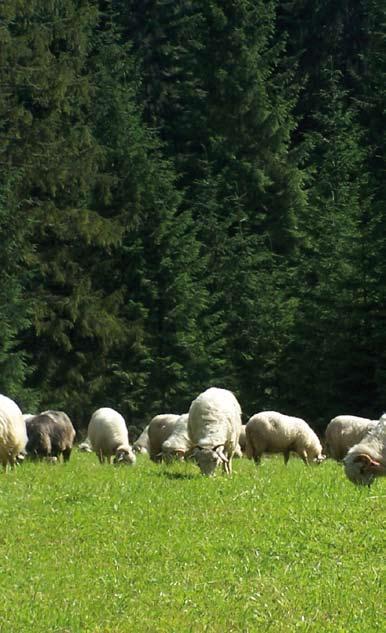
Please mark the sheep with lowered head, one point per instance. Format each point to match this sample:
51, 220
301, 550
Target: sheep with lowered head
141, 444
50, 435
109, 437
178, 444
85, 446
160, 428
214, 425
273, 432
13, 435
367, 460
343, 432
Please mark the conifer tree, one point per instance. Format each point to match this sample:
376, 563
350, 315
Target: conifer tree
325, 360
372, 99
158, 268
215, 88
49, 141
14, 311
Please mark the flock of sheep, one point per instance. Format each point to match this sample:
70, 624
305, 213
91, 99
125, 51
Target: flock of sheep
211, 433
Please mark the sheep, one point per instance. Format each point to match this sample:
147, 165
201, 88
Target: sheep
85, 446
367, 459
50, 434
13, 435
273, 432
178, 444
214, 425
108, 435
159, 429
141, 444
343, 432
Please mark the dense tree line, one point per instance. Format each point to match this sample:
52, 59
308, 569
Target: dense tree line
192, 194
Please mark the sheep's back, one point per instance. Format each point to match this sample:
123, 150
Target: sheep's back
274, 431
13, 435
214, 418
344, 431
107, 430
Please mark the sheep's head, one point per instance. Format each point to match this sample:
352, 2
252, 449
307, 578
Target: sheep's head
170, 454
140, 449
319, 459
124, 455
85, 447
209, 458
361, 469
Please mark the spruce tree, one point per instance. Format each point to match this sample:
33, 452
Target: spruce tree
326, 359
215, 87
50, 142
158, 269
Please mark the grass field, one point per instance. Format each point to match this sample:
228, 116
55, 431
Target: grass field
86, 548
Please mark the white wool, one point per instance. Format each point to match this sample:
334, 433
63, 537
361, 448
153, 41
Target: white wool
367, 460
160, 428
141, 444
13, 435
107, 432
343, 432
214, 421
274, 432
178, 441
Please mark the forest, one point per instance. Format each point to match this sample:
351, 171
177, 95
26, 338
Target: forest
192, 193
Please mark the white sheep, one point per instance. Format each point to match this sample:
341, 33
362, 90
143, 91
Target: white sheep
343, 432
141, 444
367, 460
273, 432
214, 425
108, 435
159, 429
85, 446
13, 434
178, 444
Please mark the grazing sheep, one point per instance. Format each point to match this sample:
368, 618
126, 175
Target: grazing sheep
178, 444
159, 429
13, 436
367, 460
108, 435
141, 444
50, 435
85, 446
273, 432
214, 425
343, 432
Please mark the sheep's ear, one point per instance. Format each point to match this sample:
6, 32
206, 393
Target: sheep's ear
369, 464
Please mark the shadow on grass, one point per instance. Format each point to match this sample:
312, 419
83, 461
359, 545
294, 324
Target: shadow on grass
174, 475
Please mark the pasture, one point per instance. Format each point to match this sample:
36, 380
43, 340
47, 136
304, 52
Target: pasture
86, 548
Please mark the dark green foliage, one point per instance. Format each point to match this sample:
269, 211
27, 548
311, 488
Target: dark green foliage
329, 326
50, 142
192, 194
15, 311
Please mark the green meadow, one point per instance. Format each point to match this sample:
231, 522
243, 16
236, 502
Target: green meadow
86, 548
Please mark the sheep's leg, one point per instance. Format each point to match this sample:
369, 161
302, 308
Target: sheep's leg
66, 454
227, 466
286, 454
304, 457
12, 461
257, 458
100, 456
